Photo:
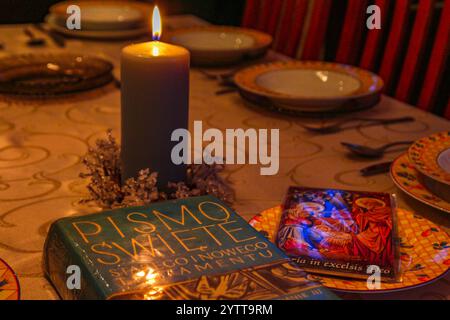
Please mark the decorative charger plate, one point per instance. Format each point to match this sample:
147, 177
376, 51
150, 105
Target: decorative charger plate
9, 285
431, 156
425, 252
218, 45
52, 74
408, 179
309, 85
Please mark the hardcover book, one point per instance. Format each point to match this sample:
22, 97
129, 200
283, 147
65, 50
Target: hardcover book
341, 233
195, 248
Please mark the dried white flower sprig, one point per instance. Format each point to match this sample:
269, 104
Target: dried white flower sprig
106, 190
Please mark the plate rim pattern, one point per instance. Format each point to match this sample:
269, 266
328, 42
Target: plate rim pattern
419, 150
399, 181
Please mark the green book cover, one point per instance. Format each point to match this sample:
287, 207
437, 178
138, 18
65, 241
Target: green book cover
195, 248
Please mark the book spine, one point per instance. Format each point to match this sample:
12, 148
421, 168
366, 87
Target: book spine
58, 256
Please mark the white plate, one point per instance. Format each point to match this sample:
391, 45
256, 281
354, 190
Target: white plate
214, 40
96, 34
312, 86
309, 83
219, 45
111, 16
104, 15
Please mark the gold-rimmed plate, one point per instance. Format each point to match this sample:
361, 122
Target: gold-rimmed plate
431, 156
410, 181
309, 85
52, 22
220, 45
424, 253
104, 15
330, 111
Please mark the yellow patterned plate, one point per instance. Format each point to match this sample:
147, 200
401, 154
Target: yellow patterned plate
310, 85
425, 252
431, 156
9, 285
408, 179
219, 45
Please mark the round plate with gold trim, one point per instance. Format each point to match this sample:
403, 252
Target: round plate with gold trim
409, 180
309, 85
122, 34
424, 252
9, 285
220, 45
431, 156
103, 15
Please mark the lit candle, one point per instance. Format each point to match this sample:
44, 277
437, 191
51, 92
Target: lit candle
155, 102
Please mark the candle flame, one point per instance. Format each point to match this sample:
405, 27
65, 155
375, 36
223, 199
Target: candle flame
156, 24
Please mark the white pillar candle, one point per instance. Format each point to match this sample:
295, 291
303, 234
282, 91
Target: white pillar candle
155, 102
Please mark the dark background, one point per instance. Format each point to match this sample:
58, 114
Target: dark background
215, 11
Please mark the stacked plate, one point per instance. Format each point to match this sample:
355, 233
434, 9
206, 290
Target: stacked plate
102, 19
309, 87
220, 45
424, 171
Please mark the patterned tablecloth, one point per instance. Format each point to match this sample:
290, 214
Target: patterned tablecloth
42, 143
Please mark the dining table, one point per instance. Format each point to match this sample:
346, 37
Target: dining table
43, 142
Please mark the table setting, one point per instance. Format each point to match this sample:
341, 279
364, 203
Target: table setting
86, 117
